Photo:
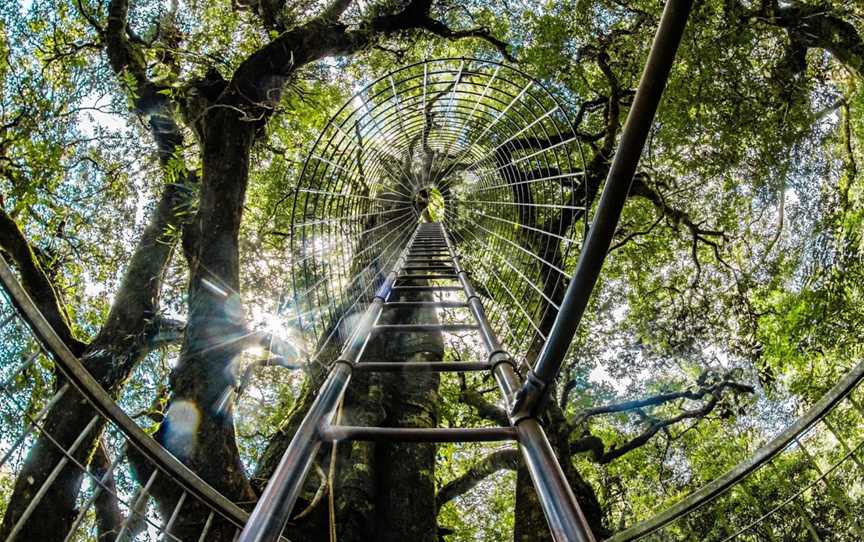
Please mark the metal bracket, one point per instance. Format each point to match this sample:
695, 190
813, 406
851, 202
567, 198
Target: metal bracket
530, 399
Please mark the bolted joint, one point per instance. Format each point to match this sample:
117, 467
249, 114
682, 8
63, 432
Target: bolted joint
499, 357
530, 399
344, 362
384, 290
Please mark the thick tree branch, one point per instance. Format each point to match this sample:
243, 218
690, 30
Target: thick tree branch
127, 60
489, 465
815, 26
585, 107
661, 399
599, 454
109, 518
134, 310
270, 12
272, 361
89, 17
484, 408
36, 281
335, 10
712, 393
164, 332
260, 78
440, 29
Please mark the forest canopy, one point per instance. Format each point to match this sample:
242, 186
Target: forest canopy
147, 152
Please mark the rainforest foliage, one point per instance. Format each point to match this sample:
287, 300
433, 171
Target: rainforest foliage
146, 147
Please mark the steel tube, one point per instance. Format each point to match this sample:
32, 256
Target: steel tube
420, 366
508, 380
206, 529
427, 277
100, 486
745, 468
273, 509
426, 267
171, 520
418, 434
618, 181
84, 382
430, 304
428, 288
49, 481
141, 496
425, 328
565, 519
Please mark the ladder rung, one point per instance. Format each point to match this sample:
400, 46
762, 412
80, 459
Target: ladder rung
431, 304
332, 433
421, 366
428, 277
425, 327
427, 267
427, 288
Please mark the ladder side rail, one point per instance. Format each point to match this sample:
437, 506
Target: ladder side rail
639, 120
273, 509
566, 521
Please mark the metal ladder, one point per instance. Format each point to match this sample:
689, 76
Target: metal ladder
429, 255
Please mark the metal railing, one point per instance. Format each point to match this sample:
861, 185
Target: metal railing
135, 463
821, 427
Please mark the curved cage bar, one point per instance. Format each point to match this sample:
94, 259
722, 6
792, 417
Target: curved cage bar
824, 494
128, 467
488, 140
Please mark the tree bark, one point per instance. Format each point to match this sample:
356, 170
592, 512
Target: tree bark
199, 423
405, 507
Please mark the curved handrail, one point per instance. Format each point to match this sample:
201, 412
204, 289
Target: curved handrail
81, 378
742, 470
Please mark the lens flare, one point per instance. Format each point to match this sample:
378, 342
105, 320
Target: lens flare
181, 427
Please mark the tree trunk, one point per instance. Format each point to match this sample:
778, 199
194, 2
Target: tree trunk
199, 424
405, 507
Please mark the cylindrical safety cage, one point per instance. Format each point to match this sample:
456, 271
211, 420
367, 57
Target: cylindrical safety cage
480, 146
